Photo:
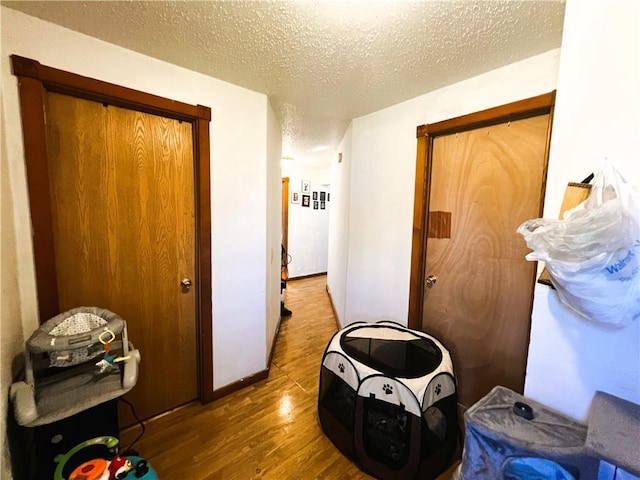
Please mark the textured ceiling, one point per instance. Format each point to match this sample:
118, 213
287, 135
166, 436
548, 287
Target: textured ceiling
321, 63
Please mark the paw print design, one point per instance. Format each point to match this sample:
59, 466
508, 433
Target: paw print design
341, 367
438, 389
388, 389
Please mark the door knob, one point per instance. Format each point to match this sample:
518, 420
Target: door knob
185, 283
430, 281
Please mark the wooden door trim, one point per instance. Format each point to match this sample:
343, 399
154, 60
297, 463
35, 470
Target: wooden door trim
204, 314
60, 81
530, 107
34, 80
285, 213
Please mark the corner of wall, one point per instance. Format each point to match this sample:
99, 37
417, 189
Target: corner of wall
336, 315
339, 226
11, 330
274, 228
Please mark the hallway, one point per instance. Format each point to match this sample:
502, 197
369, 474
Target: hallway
267, 430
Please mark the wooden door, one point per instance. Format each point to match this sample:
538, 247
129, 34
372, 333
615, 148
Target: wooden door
480, 184
122, 201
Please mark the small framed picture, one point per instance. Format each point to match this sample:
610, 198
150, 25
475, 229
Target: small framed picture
328, 196
295, 197
306, 186
315, 204
323, 196
306, 200
315, 195
323, 205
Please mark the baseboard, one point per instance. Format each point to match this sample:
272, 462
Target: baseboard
264, 374
240, 384
335, 312
302, 277
251, 379
273, 343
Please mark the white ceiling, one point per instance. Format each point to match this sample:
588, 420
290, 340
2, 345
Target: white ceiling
321, 62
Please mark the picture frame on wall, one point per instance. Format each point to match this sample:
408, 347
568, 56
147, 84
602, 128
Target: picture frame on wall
295, 196
323, 205
315, 204
306, 186
306, 200
323, 196
328, 194
315, 195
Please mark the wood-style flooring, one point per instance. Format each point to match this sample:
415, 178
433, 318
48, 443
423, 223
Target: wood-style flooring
268, 430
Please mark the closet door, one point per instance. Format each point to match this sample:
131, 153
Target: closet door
478, 292
123, 207
478, 177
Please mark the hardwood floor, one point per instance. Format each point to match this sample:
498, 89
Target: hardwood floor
268, 430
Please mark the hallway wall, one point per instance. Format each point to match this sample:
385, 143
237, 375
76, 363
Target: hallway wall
238, 157
11, 334
597, 116
308, 228
339, 227
381, 173
273, 215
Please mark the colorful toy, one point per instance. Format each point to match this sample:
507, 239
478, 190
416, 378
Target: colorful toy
91, 470
108, 359
118, 468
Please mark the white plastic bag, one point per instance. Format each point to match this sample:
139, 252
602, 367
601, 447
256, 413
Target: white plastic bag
593, 255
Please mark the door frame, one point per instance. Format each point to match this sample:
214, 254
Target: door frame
285, 213
530, 107
34, 80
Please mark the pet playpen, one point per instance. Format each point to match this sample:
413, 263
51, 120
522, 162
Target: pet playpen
388, 401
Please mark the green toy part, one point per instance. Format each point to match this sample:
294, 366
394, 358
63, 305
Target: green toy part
109, 442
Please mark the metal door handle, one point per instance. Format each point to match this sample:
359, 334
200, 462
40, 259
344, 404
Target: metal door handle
185, 283
430, 281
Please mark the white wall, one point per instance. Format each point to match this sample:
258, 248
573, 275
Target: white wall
339, 227
238, 158
382, 177
308, 228
274, 225
10, 320
596, 116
